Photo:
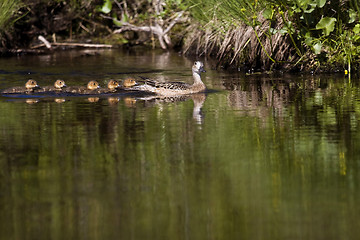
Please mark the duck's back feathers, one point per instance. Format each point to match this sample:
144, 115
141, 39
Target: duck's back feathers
175, 88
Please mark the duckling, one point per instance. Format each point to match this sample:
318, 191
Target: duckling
29, 87
129, 82
111, 87
58, 86
175, 88
89, 89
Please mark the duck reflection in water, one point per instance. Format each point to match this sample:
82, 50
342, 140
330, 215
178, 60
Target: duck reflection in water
197, 98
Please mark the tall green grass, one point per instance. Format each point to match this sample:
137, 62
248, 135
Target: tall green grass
7, 8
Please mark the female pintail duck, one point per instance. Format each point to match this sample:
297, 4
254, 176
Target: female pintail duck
89, 89
58, 86
30, 85
175, 88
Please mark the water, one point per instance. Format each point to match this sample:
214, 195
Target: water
261, 157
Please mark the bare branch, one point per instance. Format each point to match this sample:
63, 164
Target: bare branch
173, 22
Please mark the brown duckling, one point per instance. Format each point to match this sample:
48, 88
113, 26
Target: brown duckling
29, 87
89, 89
58, 86
111, 87
129, 82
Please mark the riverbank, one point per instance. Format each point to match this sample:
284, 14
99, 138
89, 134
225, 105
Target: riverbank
311, 36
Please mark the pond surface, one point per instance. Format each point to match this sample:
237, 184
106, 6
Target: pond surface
262, 157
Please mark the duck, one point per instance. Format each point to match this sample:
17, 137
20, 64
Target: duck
175, 88
128, 83
111, 87
58, 86
29, 87
90, 88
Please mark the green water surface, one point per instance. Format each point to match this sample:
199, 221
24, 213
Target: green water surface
261, 157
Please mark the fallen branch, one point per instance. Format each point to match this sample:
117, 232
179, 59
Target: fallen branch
85, 45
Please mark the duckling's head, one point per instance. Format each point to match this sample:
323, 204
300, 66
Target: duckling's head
92, 85
129, 82
31, 84
112, 84
59, 84
198, 67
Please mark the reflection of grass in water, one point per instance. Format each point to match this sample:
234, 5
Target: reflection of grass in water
7, 7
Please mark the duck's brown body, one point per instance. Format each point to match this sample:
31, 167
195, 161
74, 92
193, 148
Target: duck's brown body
175, 88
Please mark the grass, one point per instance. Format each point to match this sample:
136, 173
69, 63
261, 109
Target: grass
7, 8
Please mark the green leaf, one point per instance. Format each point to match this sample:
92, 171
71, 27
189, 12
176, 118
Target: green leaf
106, 8
317, 48
352, 16
124, 17
308, 41
268, 13
117, 22
326, 24
311, 9
320, 3
356, 29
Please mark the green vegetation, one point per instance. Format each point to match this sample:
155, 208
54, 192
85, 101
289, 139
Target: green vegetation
255, 35
266, 34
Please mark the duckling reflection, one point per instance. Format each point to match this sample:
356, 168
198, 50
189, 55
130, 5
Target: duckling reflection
130, 102
89, 89
113, 100
58, 86
93, 99
31, 101
59, 100
29, 87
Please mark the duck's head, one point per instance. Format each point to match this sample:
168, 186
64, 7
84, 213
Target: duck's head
112, 84
31, 84
92, 85
198, 67
59, 84
129, 82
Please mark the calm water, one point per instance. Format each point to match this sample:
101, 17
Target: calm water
263, 157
